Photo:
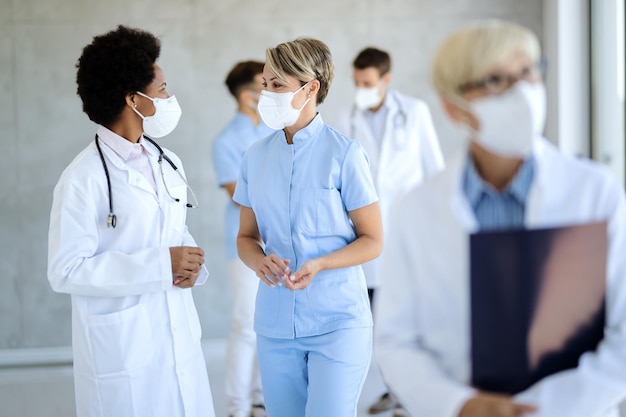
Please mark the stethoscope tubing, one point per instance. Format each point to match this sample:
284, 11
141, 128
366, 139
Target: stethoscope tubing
161, 153
112, 218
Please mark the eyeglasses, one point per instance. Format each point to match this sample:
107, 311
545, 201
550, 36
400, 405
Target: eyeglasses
498, 83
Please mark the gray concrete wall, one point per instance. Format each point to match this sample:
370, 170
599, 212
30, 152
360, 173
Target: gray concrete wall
42, 126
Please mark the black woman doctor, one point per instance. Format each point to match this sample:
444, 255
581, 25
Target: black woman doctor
130, 266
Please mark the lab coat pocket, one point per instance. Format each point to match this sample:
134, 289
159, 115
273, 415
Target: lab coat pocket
120, 341
195, 329
323, 212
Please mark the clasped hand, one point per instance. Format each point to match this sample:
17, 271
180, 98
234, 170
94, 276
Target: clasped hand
275, 271
186, 265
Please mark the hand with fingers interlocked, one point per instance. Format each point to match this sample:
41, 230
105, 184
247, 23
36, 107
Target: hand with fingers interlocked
186, 265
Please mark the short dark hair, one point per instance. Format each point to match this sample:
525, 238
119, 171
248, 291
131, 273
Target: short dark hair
373, 57
242, 75
112, 66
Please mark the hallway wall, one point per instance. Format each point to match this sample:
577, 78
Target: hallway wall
42, 126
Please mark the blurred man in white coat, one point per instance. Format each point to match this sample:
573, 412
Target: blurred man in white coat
508, 177
398, 135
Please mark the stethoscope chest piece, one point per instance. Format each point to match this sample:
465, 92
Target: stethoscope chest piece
112, 220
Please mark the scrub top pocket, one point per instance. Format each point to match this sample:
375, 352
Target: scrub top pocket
323, 213
267, 306
338, 296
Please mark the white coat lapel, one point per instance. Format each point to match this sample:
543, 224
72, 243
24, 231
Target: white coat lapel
536, 197
386, 143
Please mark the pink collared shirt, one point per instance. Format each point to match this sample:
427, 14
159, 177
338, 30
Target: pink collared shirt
133, 154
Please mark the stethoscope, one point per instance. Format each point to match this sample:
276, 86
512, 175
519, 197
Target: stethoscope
399, 119
112, 218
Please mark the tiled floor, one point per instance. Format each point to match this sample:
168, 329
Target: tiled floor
47, 391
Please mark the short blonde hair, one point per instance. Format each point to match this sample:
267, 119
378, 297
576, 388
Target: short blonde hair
468, 53
305, 59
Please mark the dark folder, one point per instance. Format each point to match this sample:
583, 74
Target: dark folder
537, 302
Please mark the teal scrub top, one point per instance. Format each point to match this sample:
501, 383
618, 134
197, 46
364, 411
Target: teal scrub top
301, 195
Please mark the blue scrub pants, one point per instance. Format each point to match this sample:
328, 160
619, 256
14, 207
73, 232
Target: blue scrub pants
317, 376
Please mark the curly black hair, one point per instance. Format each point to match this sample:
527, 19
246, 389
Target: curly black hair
113, 65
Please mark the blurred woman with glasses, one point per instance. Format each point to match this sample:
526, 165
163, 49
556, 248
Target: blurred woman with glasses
507, 177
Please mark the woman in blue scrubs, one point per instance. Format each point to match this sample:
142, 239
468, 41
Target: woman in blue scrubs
309, 219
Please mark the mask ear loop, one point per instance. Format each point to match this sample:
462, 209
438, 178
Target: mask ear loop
139, 114
135, 107
305, 103
307, 100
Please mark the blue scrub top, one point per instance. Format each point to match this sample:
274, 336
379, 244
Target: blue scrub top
228, 149
301, 195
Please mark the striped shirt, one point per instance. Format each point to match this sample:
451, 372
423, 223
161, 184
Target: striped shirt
133, 154
496, 210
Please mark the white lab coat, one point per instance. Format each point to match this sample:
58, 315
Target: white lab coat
408, 153
423, 333
135, 337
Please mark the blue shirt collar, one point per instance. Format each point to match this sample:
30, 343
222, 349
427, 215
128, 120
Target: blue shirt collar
310, 130
474, 186
245, 119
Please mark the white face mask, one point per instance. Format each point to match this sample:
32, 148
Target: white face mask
165, 118
510, 121
276, 109
367, 98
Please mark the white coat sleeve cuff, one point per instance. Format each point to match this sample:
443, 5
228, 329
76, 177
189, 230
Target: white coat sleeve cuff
459, 399
167, 280
204, 274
